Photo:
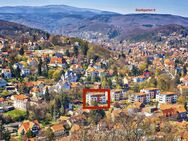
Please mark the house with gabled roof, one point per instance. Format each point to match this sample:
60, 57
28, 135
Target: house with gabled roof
169, 112
6, 73
58, 129
176, 110
20, 101
36, 92
76, 67
26, 126
91, 72
69, 76
57, 62
182, 113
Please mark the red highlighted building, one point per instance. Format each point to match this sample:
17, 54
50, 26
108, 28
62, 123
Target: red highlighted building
99, 96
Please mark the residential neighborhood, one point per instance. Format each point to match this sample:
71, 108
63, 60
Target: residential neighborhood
41, 93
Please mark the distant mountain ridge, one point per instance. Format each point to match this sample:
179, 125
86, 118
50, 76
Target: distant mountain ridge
50, 9
88, 23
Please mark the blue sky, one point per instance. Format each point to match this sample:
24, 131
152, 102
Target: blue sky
176, 7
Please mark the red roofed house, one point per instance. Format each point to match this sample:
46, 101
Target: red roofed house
25, 126
56, 61
169, 112
58, 129
20, 101
6, 73
29, 84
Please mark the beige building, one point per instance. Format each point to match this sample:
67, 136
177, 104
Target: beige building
101, 97
20, 101
58, 129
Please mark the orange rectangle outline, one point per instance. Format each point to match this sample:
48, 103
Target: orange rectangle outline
85, 91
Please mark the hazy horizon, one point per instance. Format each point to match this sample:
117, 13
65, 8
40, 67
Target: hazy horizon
173, 7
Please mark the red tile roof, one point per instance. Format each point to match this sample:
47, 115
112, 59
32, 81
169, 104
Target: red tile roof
168, 93
151, 88
57, 128
29, 84
20, 97
26, 126
140, 94
56, 60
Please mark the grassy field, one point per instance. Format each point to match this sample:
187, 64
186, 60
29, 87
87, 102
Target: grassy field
15, 114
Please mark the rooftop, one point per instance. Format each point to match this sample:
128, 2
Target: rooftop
96, 94
20, 97
151, 88
57, 127
168, 93
140, 94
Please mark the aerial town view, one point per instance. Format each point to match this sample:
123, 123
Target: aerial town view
93, 70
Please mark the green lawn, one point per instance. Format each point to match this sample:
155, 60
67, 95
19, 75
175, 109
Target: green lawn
15, 114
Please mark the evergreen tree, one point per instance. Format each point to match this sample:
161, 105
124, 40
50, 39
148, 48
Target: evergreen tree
93, 79
84, 49
11, 68
47, 95
110, 83
135, 71
115, 71
67, 53
184, 70
17, 72
76, 51
52, 110
95, 58
40, 67
136, 87
22, 51
57, 106
46, 68
64, 101
47, 36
